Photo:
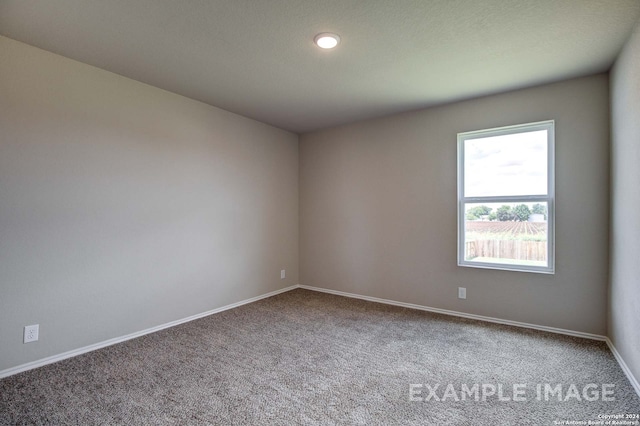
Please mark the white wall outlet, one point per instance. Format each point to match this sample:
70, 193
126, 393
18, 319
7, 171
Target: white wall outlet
282, 274
462, 292
31, 333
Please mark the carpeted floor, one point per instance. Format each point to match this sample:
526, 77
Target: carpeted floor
311, 358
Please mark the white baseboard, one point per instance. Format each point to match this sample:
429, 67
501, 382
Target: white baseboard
625, 367
618, 357
55, 358
461, 314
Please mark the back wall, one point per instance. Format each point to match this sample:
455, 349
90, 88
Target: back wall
378, 208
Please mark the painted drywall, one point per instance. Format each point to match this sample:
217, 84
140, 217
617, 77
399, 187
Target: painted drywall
624, 298
378, 208
123, 206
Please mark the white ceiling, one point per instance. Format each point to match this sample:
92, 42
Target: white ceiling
257, 58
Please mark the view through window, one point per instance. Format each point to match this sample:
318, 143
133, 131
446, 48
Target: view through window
505, 198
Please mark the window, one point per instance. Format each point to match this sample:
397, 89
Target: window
506, 198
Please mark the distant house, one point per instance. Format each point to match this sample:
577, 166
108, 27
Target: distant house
536, 217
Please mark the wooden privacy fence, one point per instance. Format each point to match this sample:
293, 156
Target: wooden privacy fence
506, 249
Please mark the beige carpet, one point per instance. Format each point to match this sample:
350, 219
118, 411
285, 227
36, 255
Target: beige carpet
310, 358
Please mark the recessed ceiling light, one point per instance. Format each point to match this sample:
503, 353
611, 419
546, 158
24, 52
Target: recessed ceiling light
327, 40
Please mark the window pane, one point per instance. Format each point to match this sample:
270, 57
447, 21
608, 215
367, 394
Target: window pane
506, 233
514, 164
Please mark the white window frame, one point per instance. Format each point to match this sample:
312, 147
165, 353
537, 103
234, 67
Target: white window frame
549, 198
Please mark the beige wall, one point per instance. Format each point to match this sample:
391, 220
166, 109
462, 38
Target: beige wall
624, 299
378, 208
123, 206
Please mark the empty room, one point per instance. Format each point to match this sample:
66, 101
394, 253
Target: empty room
283, 212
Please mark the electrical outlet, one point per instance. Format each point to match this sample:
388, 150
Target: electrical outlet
282, 274
31, 333
462, 292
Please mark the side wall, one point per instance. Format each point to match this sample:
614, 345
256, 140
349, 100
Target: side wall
124, 207
378, 208
624, 298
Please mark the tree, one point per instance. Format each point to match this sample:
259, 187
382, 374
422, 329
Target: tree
504, 213
521, 213
539, 209
477, 212
493, 216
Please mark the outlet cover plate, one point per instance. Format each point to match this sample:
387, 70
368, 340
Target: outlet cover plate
31, 333
462, 292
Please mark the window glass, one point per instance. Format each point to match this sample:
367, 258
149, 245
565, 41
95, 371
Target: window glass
506, 198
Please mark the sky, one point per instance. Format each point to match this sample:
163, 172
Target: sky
514, 164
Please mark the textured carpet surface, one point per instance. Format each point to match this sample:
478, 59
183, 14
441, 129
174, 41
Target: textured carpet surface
310, 358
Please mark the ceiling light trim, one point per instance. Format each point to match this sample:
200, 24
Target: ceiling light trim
327, 41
